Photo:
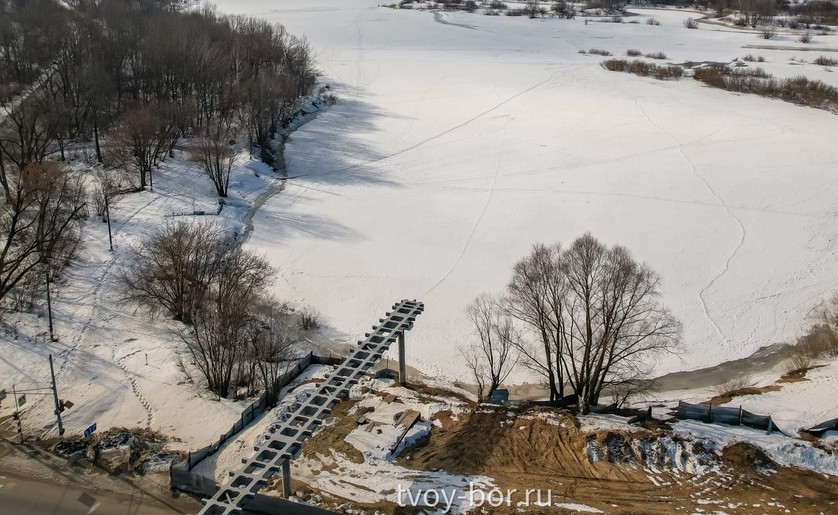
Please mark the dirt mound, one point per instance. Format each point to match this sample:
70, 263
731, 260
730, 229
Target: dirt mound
640, 471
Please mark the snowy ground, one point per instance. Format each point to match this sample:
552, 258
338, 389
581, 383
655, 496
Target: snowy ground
115, 365
455, 146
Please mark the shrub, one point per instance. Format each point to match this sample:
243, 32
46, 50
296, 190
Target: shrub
805, 38
497, 5
691, 23
734, 385
656, 55
826, 61
309, 319
643, 69
653, 21
799, 90
750, 58
633, 53
597, 51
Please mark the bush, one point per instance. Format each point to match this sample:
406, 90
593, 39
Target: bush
799, 90
597, 51
309, 319
750, 58
633, 53
805, 38
734, 385
643, 69
826, 61
656, 55
653, 21
691, 23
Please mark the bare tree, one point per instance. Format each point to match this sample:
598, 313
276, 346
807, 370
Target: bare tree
172, 269
593, 317
218, 337
614, 320
40, 220
531, 7
216, 155
272, 343
536, 297
142, 138
492, 358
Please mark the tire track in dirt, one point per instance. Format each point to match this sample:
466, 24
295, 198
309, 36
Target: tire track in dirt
738, 222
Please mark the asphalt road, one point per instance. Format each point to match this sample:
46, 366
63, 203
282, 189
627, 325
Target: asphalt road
24, 496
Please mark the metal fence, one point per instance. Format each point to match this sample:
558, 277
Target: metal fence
180, 473
725, 415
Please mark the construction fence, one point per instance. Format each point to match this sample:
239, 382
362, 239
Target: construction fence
725, 415
180, 473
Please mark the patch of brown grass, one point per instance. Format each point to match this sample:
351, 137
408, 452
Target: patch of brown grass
643, 69
798, 90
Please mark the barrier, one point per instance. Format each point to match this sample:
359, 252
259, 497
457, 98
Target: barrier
725, 415
179, 473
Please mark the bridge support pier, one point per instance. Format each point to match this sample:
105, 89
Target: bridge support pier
286, 478
402, 363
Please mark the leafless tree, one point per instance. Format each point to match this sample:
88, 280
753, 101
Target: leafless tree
593, 317
30, 131
40, 220
272, 343
493, 356
142, 138
531, 7
218, 337
171, 270
614, 319
216, 155
536, 297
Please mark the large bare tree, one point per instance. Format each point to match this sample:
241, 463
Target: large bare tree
536, 297
593, 317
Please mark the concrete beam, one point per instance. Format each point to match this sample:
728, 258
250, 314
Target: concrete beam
305, 416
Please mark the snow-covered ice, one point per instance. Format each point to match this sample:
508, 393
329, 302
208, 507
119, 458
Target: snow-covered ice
456, 146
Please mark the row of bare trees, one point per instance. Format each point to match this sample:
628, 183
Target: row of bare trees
235, 334
585, 318
140, 69
129, 78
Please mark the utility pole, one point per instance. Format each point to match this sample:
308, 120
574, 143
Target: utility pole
17, 415
58, 407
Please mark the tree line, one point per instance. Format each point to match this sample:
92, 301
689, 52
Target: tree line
128, 80
585, 318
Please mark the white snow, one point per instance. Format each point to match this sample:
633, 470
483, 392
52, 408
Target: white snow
782, 449
452, 149
115, 365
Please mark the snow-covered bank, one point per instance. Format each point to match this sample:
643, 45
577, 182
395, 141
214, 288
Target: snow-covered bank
116, 365
453, 149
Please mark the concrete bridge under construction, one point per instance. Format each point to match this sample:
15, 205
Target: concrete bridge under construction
304, 417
